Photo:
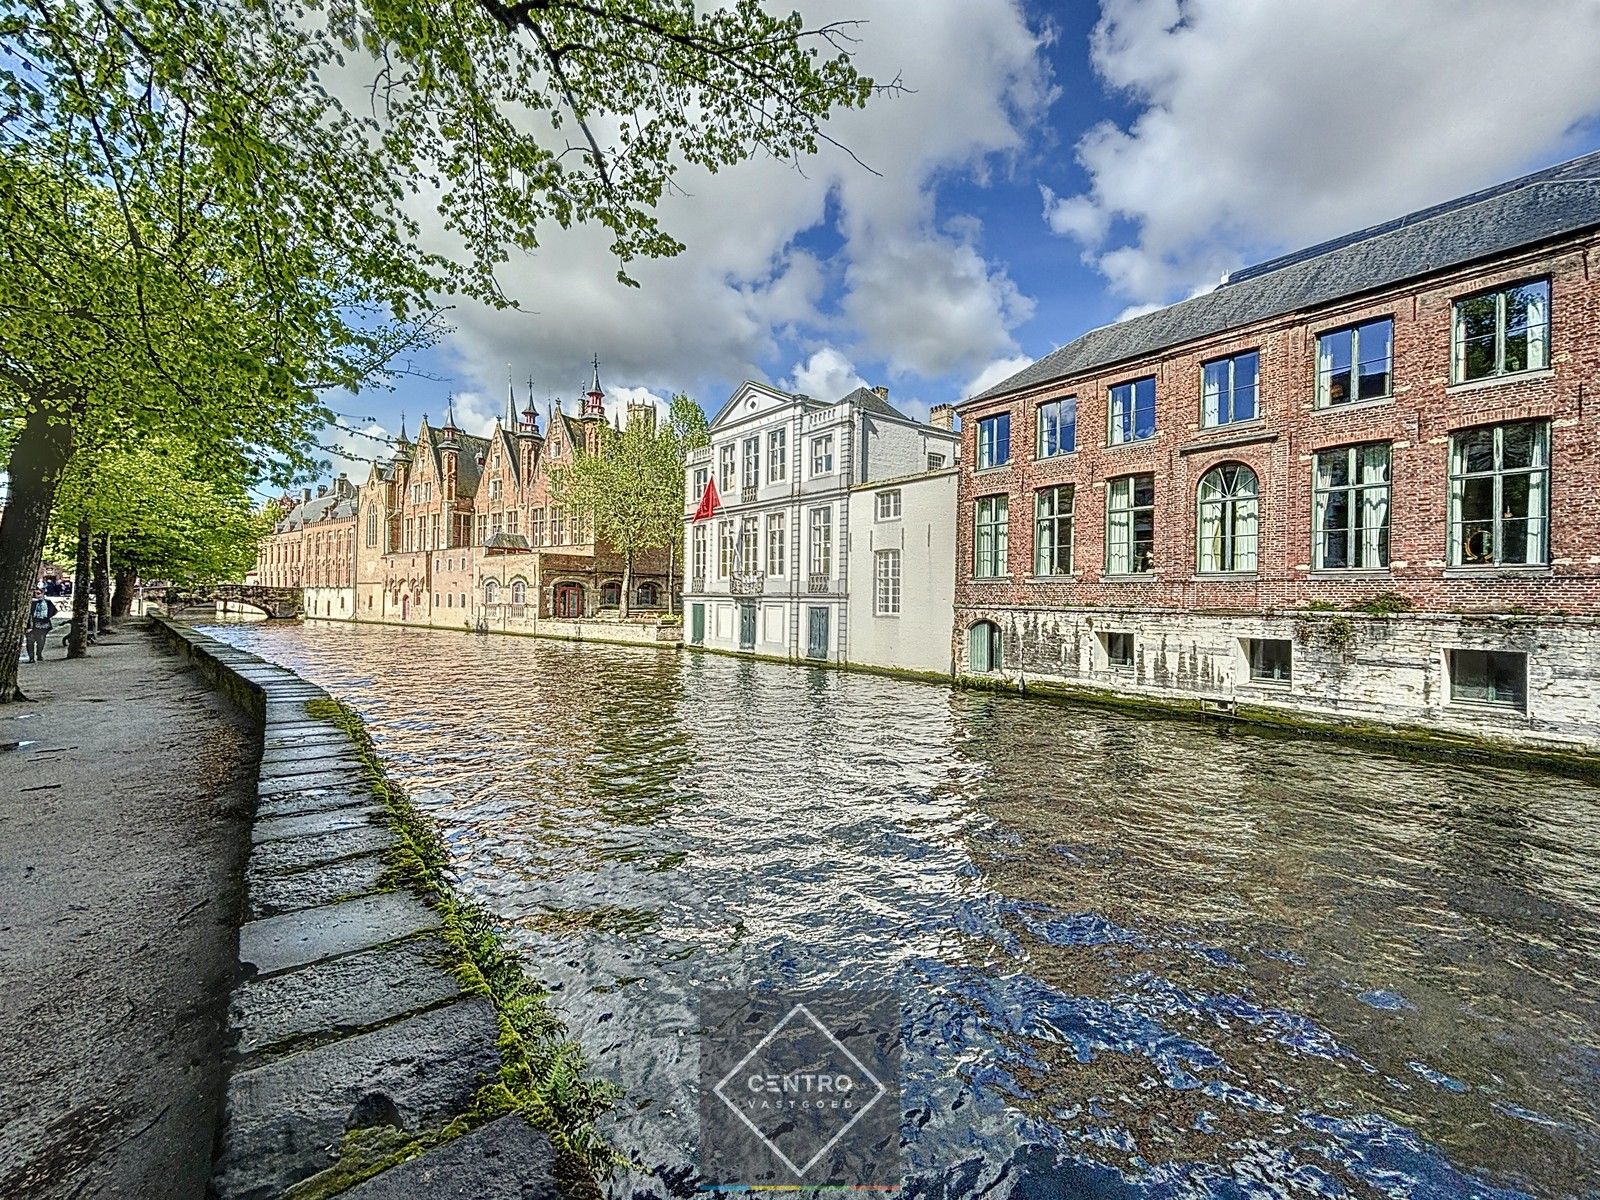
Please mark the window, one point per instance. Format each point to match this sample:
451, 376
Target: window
1057, 424
1133, 411
989, 537
886, 583
822, 454
935, 462
1119, 650
777, 455
1228, 389
724, 549
558, 527
1500, 333
777, 545
994, 441
372, 526
519, 592
536, 527
725, 469
1052, 530
1131, 525
1498, 677
697, 553
752, 462
1227, 512
821, 543
1270, 659
491, 592
702, 476
1355, 363
649, 595
409, 529
1500, 495
512, 519
610, 594
494, 489
984, 647
749, 546
888, 505
1350, 520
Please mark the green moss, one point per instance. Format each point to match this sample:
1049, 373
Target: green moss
543, 1072
1384, 604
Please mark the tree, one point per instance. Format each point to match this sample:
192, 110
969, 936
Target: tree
207, 210
631, 486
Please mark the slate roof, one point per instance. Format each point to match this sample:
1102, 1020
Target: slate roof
1559, 200
332, 507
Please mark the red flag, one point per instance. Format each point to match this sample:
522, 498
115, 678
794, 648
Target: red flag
709, 503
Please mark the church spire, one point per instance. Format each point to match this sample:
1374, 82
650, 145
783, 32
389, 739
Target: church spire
594, 399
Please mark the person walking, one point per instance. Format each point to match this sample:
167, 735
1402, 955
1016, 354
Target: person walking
41, 611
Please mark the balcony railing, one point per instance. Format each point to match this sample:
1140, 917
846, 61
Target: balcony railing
697, 583
699, 455
819, 584
747, 494
747, 585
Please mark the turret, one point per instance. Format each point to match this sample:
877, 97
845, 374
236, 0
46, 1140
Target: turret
402, 445
593, 414
529, 439
449, 450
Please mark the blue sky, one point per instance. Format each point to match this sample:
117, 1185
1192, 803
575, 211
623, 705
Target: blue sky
1053, 167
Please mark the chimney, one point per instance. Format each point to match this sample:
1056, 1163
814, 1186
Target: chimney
322, 490
305, 495
942, 416
882, 393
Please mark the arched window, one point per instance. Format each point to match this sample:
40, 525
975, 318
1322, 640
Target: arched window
649, 594
610, 594
983, 648
519, 592
491, 591
1227, 513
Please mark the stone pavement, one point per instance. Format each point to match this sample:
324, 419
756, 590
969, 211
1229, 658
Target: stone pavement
346, 1016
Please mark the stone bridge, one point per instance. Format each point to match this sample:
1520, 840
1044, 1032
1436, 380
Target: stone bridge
278, 603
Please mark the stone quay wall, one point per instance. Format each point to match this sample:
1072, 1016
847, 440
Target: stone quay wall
347, 1016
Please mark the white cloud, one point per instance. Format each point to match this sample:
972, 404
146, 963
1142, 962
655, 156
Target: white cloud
826, 375
1266, 126
997, 371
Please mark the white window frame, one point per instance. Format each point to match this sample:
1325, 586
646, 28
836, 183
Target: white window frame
820, 551
888, 506
822, 455
778, 454
991, 516
778, 544
886, 583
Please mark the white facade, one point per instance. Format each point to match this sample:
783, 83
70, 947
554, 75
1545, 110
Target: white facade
767, 573
902, 572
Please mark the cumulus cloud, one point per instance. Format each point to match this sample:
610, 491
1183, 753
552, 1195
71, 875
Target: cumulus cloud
826, 375
1268, 126
997, 371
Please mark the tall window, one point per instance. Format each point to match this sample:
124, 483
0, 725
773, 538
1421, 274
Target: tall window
1057, 423
1500, 333
1500, 495
777, 455
777, 545
697, 551
725, 469
1227, 511
536, 527
558, 527
752, 462
494, 489
749, 546
821, 543
991, 517
1355, 363
1350, 522
1052, 530
410, 535
491, 591
1133, 411
822, 454
1228, 389
888, 505
519, 592
886, 583
994, 440
724, 549
372, 526
702, 476
1131, 525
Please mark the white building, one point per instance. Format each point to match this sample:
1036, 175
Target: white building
902, 572
767, 570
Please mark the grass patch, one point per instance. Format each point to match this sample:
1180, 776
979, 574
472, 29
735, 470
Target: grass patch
542, 1070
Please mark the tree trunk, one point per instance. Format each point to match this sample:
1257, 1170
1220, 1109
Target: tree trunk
627, 583
37, 459
102, 582
78, 636
122, 598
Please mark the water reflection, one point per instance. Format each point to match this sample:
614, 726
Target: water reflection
1139, 957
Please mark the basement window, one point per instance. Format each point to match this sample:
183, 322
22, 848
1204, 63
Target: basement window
1271, 659
1119, 650
1497, 677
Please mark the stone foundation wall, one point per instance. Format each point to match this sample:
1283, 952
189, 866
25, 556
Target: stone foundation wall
1391, 670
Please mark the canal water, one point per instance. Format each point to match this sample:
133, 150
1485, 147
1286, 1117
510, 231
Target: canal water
1136, 957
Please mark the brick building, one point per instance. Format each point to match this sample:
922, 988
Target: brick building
1399, 424
462, 531
312, 547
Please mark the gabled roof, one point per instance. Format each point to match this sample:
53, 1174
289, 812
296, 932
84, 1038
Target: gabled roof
1559, 200
331, 507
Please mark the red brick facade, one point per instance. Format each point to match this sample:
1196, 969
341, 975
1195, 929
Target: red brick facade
1418, 421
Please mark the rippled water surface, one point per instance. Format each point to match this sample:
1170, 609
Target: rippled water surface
1138, 958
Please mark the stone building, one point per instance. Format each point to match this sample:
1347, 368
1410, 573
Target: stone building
767, 569
458, 530
312, 547
1360, 481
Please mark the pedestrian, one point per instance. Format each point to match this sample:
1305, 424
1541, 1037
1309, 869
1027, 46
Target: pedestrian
41, 612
